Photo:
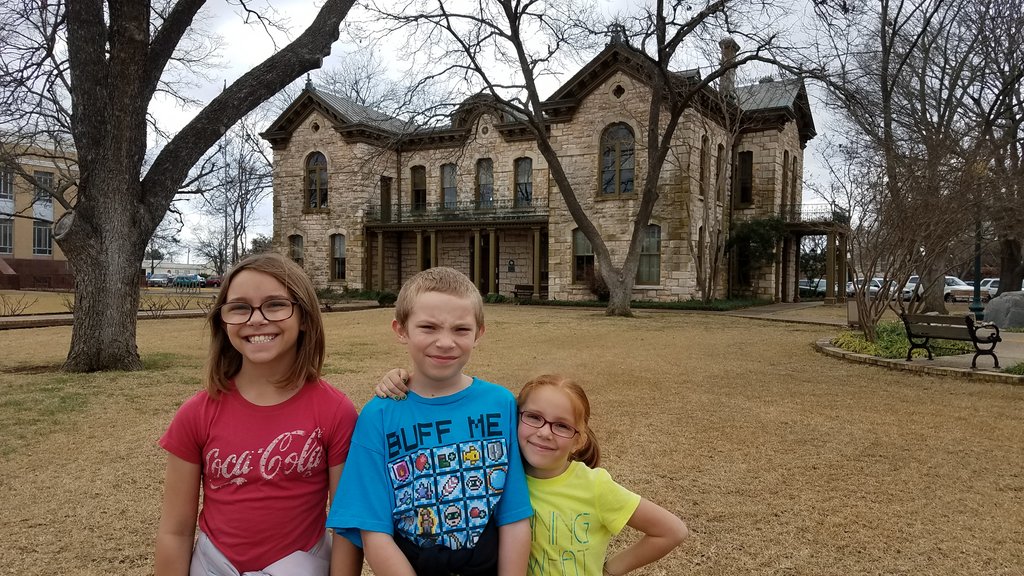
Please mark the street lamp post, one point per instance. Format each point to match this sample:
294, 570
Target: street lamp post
976, 306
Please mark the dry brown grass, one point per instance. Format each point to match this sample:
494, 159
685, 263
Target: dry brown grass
54, 302
781, 460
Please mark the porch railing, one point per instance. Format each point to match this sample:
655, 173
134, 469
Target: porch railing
463, 211
817, 213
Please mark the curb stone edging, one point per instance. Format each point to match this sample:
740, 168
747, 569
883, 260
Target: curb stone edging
825, 347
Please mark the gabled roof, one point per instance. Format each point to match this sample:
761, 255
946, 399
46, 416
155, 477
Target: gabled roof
784, 99
346, 116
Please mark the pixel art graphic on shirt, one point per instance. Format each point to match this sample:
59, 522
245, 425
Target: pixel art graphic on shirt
445, 495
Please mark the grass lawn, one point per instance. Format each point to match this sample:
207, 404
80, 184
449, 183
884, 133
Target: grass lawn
781, 460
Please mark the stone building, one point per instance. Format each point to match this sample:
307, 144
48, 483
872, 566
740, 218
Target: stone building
364, 201
29, 258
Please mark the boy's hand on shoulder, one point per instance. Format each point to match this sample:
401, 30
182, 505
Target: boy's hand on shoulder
393, 385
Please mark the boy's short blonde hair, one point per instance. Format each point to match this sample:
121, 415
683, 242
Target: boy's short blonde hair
443, 280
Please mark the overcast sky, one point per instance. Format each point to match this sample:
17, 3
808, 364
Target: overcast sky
245, 45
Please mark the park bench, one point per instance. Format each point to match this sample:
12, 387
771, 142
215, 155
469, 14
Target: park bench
921, 328
525, 291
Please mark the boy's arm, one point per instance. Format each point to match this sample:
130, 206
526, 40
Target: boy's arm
346, 557
393, 385
662, 531
386, 558
514, 548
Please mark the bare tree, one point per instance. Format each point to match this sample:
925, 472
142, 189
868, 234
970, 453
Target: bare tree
83, 75
908, 75
503, 49
164, 242
232, 195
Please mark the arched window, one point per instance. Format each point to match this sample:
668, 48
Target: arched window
295, 248
337, 257
449, 192
583, 257
617, 160
719, 175
485, 183
705, 165
419, 188
649, 271
524, 181
316, 181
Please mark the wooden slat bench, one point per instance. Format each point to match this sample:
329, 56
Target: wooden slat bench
525, 291
921, 328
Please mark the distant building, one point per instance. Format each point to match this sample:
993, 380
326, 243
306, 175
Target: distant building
362, 201
29, 258
174, 268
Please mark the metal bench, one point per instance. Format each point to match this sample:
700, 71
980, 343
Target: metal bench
921, 328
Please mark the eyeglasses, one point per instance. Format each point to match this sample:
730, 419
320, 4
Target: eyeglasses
272, 311
534, 420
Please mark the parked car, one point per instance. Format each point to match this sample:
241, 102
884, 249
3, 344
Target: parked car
189, 280
874, 287
953, 290
989, 286
215, 280
812, 288
158, 280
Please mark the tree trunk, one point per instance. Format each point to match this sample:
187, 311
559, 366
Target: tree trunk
619, 295
106, 253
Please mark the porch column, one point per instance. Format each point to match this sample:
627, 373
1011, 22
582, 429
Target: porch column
844, 246
380, 258
492, 259
830, 269
419, 249
536, 263
476, 257
433, 249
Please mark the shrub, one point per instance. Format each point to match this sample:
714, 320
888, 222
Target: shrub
495, 298
386, 299
1017, 369
892, 343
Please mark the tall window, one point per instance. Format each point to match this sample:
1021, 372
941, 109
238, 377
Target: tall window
524, 181
617, 160
419, 188
719, 175
6, 210
42, 238
704, 166
295, 248
745, 178
448, 190
6, 184
338, 257
795, 178
583, 257
6, 235
42, 212
316, 180
485, 183
649, 270
785, 179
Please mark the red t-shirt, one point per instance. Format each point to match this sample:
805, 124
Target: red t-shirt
264, 468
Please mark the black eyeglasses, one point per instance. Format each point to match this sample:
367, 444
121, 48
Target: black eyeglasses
272, 311
534, 420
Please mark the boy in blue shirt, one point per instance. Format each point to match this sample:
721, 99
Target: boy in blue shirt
435, 484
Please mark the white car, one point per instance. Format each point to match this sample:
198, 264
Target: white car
953, 290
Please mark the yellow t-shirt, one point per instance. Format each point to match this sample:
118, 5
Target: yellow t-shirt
575, 514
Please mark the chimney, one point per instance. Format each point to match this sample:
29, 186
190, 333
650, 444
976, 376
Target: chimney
727, 82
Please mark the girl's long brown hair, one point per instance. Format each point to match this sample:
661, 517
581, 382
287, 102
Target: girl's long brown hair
224, 362
589, 453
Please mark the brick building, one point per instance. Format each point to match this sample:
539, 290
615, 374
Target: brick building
29, 258
362, 200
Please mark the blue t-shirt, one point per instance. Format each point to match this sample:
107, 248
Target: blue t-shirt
435, 470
